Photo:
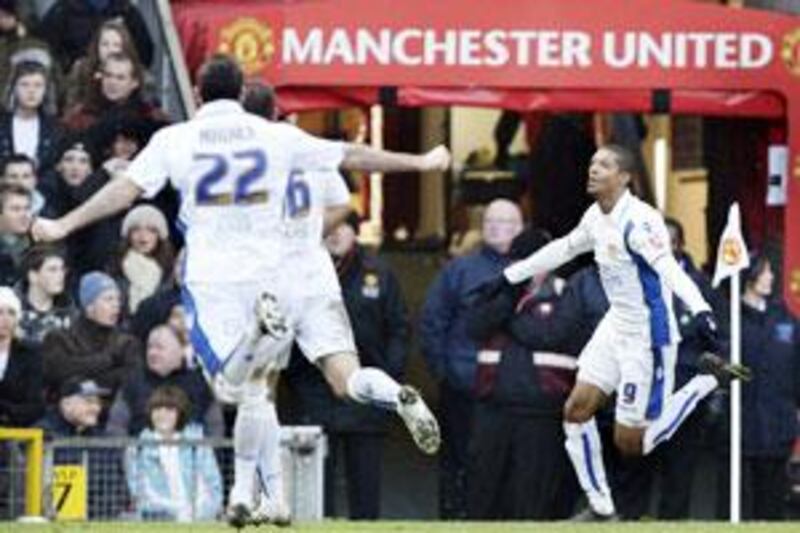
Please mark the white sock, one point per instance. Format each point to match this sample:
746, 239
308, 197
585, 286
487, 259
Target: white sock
676, 409
586, 453
249, 432
270, 472
373, 386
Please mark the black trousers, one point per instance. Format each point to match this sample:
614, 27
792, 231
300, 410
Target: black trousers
765, 484
363, 454
673, 462
518, 466
455, 417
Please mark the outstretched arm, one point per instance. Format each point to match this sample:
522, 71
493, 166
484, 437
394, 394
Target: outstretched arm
115, 196
551, 256
366, 158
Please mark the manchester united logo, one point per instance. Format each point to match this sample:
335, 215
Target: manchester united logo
250, 41
790, 52
731, 251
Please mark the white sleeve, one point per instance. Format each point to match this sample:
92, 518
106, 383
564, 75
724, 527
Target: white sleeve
551, 256
336, 191
311, 153
149, 169
680, 283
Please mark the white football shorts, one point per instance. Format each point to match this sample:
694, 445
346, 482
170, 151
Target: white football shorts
222, 315
642, 375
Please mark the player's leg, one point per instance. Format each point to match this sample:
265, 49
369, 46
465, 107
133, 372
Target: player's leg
641, 392
597, 376
372, 386
250, 430
584, 448
677, 407
272, 507
265, 334
326, 339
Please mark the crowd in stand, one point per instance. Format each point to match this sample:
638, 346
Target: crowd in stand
93, 340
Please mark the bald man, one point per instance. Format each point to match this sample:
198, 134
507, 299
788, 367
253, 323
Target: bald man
452, 355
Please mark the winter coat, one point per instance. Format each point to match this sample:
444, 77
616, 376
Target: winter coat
46, 149
148, 464
91, 351
771, 348
21, 397
448, 349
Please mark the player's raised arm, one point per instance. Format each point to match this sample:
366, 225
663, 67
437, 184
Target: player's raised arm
366, 158
115, 196
551, 256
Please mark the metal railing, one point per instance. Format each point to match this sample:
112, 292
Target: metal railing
132, 479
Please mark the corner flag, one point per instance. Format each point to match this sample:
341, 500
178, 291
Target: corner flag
732, 252
731, 258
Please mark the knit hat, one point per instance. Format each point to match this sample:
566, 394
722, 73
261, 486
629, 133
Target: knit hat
78, 143
9, 299
93, 285
148, 216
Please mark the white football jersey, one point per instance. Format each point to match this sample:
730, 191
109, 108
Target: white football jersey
313, 272
626, 242
242, 181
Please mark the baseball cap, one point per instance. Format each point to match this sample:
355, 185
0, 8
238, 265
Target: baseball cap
82, 387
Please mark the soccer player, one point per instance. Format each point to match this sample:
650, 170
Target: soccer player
241, 179
633, 350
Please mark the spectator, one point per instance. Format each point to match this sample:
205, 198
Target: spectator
111, 37
20, 169
120, 138
77, 414
115, 96
451, 355
46, 305
73, 183
380, 324
30, 127
68, 27
15, 222
166, 363
93, 347
145, 262
676, 461
771, 348
16, 44
165, 306
168, 477
21, 399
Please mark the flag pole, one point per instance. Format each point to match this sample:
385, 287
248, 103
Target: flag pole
736, 396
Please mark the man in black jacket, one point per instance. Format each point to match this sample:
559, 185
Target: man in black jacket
526, 368
380, 324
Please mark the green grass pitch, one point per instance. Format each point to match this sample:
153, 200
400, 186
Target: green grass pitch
335, 526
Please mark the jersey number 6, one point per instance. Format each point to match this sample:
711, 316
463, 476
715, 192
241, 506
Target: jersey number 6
243, 192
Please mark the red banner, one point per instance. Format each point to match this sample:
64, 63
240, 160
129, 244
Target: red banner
564, 43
